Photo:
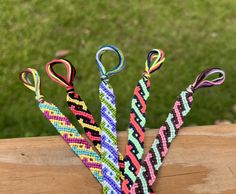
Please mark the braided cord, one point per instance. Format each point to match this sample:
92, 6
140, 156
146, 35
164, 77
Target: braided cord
134, 149
78, 144
169, 130
109, 155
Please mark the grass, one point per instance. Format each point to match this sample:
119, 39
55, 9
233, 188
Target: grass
193, 34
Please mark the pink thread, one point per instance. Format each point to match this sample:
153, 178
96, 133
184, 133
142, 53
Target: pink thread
177, 113
165, 149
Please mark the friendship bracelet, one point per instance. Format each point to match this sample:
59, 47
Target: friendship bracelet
78, 107
77, 143
169, 130
109, 154
134, 149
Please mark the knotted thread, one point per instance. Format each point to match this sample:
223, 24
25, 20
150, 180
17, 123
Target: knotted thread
69, 133
77, 106
109, 155
121, 64
202, 82
169, 130
134, 149
67, 81
155, 59
35, 86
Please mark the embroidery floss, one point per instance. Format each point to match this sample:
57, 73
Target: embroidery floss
77, 106
169, 130
72, 137
134, 149
109, 155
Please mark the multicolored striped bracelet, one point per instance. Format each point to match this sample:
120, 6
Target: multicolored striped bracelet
134, 149
69, 133
169, 130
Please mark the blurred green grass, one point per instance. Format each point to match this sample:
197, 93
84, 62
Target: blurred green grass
193, 34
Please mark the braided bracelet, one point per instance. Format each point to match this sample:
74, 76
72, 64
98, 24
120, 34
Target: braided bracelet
77, 106
134, 149
169, 130
74, 101
77, 143
109, 154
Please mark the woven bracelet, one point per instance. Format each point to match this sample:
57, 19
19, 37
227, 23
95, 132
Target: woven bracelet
134, 149
169, 130
109, 155
69, 133
77, 106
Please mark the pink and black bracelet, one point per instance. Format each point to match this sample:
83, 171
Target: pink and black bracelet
174, 121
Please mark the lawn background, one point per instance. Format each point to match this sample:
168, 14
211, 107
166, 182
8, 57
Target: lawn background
193, 34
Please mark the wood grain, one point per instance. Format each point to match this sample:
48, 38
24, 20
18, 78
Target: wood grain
202, 160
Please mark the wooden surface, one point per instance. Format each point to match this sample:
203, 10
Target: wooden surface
202, 160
